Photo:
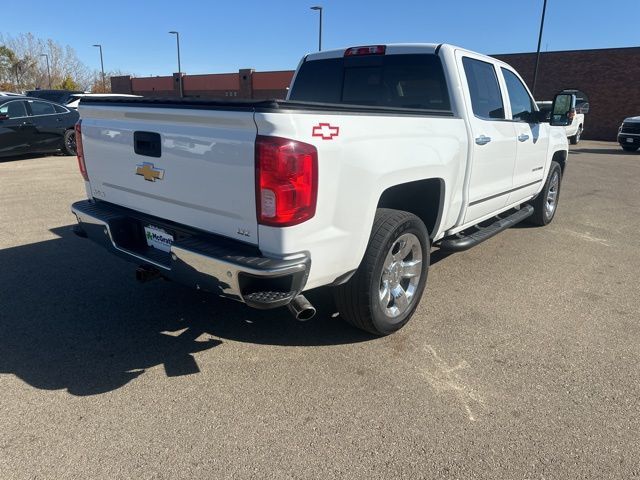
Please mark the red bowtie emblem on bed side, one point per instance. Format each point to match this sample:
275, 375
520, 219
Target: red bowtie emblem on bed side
325, 131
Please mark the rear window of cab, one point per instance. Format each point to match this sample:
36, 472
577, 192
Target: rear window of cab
414, 81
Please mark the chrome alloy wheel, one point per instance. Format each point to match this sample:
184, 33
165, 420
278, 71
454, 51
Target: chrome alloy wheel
400, 275
552, 194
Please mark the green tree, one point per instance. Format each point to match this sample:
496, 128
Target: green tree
69, 84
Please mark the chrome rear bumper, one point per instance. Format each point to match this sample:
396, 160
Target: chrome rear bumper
209, 262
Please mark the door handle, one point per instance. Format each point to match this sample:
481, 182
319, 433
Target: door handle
483, 140
523, 137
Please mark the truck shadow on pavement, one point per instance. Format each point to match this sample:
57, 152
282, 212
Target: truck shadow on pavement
27, 156
600, 151
73, 317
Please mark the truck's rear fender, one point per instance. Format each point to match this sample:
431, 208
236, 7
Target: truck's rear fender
369, 155
424, 198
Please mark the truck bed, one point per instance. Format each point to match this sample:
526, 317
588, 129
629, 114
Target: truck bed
267, 106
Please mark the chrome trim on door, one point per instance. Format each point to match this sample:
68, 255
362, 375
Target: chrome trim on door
491, 197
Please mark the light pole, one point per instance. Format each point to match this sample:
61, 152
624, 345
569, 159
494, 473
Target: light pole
48, 69
535, 69
104, 87
319, 9
177, 34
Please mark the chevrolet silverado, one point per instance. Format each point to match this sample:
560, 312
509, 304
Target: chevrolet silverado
378, 154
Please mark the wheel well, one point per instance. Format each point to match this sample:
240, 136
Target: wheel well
423, 198
561, 157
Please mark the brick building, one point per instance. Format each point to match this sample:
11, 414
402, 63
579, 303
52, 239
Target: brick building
605, 75
247, 83
608, 77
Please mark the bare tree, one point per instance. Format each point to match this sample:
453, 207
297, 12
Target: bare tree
96, 84
29, 67
7, 61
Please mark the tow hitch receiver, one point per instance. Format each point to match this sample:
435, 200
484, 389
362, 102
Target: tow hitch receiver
144, 273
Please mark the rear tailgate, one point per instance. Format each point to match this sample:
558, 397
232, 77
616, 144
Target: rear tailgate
188, 165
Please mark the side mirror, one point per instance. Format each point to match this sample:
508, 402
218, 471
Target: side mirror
563, 109
539, 116
583, 108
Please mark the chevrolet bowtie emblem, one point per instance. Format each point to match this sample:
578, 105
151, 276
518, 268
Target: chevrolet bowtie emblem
149, 172
325, 131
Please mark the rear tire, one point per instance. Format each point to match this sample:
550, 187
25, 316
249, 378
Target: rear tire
627, 148
385, 291
70, 142
546, 203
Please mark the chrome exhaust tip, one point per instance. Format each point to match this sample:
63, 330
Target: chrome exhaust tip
301, 309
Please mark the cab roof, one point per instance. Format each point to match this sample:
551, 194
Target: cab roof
391, 49
396, 49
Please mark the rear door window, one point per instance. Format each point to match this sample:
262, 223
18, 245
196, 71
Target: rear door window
14, 109
486, 99
414, 81
41, 108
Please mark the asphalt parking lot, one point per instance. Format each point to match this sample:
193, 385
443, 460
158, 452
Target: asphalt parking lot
521, 362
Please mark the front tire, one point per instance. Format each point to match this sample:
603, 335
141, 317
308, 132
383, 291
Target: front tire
70, 142
627, 148
546, 203
385, 291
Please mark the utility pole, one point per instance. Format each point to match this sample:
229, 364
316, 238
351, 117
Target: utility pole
319, 9
48, 69
177, 34
535, 69
104, 87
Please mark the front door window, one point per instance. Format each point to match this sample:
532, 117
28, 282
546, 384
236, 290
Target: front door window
13, 109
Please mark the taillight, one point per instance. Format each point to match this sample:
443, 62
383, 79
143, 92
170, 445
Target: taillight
286, 181
80, 151
368, 50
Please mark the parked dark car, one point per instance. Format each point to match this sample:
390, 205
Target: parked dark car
30, 125
58, 96
629, 134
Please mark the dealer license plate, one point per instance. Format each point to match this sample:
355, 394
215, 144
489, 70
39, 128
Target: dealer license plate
158, 238
629, 140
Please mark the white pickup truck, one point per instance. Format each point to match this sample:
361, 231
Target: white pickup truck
379, 153
576, 127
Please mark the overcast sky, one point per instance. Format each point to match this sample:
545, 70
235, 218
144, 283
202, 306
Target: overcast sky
222, 36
